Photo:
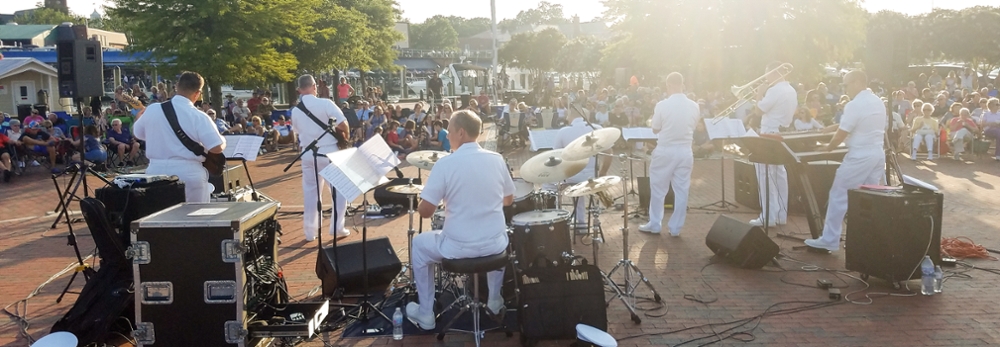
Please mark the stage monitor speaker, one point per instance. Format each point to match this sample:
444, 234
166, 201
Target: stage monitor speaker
383, 266
743, 244
80, 68
644, 194
889, 232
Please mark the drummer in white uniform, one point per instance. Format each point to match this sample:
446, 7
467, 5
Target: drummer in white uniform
577, 128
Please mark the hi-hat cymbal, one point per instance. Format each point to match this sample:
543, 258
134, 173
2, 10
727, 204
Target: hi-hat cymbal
592, 186
425, 159
589, 145
549, 167
406, 189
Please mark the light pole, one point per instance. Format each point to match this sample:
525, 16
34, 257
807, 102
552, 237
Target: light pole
493, 75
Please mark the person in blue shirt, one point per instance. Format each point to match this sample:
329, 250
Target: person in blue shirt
93, 150
440, 140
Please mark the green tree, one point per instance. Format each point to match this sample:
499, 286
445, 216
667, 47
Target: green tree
44, 15
466, 27
227, 41
536, 52
967, 36
718, 42
580, 55
889, 45
545, 13
434, 33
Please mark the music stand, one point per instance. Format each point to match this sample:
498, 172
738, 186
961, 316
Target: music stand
724, 130
767, 152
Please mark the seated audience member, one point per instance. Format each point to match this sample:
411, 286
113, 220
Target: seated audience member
702, 146
93, 150
410, 138
256, 126
120, 139
392, 137
378, 118
58, 122
923, 130
439, 136
41, 143
34, 117
5, 163
805, 121
221, 125
282, 134
990, 125
963, 130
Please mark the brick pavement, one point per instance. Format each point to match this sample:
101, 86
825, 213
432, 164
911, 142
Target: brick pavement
965, 314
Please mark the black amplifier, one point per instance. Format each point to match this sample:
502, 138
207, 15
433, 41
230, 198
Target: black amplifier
232, 179
202, 271
125, 205
888, 232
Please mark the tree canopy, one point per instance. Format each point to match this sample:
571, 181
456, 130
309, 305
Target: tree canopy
545, 13
436, 33
533, 51
44, 15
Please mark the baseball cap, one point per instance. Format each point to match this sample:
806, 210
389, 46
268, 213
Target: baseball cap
15, 122
35, 125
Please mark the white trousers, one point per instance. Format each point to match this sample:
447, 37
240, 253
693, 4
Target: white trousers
432, 247
959, 139
858, 168
927, 139
773, 178
670, 167
311, 193
192, 173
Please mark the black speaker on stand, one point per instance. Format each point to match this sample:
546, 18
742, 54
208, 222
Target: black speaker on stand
79, 62
644, 195
744, 245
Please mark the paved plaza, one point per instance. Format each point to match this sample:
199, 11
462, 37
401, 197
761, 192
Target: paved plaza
965, 314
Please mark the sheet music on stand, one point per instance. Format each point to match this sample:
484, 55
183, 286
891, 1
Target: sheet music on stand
542, 139
354, 171
242, 146
724, 129
638, 134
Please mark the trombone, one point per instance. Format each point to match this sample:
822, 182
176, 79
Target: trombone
747, 92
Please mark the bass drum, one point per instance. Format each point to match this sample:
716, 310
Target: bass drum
541, 237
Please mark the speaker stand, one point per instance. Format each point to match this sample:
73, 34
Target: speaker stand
722, 204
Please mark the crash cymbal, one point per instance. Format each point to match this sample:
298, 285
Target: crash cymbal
406, 189
549, 167
592, 143
592, 186
425, 159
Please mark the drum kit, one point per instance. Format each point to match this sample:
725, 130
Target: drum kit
541, 232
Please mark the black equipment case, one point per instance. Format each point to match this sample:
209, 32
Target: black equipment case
192, 264
554, 299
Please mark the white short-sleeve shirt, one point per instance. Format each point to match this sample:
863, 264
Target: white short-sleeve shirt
308, 130
779, 105
163, 144
472, 183
865, 120
676, 117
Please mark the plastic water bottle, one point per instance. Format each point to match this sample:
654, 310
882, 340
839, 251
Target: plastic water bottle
927, 280
397, 325
938, 279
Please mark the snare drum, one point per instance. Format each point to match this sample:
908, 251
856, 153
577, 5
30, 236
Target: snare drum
437, 220
527, 199
541, 236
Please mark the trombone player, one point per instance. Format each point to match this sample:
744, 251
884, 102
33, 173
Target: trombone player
777, 106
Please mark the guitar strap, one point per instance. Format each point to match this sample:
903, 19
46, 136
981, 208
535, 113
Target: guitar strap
171, 114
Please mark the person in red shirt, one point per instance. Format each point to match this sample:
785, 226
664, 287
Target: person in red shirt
5, 158
253, 103
392, 137
963, 129
344, 90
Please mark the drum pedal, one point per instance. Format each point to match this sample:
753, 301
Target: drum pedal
373, 210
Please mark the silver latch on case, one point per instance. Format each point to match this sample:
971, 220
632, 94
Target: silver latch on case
235, 332
232, 251
144, 333
220, 292
156, 293
138, 252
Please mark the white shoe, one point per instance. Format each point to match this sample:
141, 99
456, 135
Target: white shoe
675, 234
343, 233
422, 322
817, 243
650, 228
310, 238
759, 222
495, 306
35, 163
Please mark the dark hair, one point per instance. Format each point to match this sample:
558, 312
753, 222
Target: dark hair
189, 82
90, 130
444, 124
436, 123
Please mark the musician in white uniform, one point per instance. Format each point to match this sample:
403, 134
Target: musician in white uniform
167, 155
307, 129
862, 129
674, 120
577, 128
778, 105
474, 185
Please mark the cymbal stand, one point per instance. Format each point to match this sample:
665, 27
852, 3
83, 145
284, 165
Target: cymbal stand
630, 272
406, 273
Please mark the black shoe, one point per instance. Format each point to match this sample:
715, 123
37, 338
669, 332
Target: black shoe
129, 163
6, 176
